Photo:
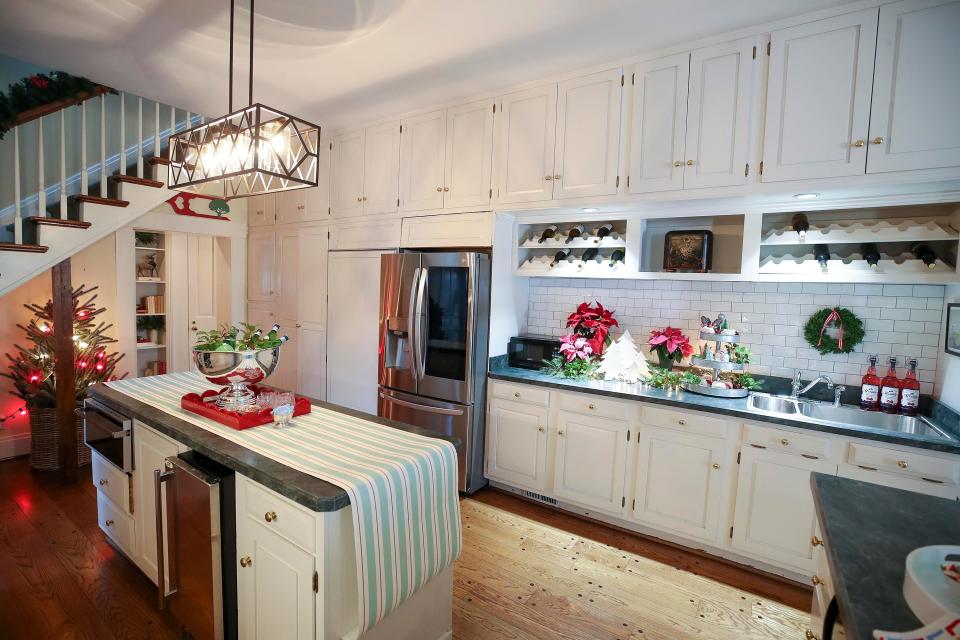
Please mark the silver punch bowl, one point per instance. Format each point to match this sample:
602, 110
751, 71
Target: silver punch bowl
236, 370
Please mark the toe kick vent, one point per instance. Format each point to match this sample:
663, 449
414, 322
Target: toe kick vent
540, 498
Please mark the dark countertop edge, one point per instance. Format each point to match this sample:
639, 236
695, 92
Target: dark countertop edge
303, 488
686, 400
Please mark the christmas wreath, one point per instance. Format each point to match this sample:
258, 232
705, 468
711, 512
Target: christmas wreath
848, 331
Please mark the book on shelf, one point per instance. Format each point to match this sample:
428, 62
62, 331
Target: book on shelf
152, 304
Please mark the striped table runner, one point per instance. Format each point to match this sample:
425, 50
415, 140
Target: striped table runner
402, 486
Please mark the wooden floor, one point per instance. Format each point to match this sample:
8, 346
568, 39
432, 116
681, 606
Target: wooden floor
526, 572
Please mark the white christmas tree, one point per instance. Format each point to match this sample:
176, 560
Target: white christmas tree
623, 361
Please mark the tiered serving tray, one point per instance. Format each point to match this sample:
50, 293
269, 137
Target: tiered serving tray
717, 367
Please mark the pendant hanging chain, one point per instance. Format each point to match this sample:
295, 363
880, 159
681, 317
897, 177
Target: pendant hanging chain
250, 95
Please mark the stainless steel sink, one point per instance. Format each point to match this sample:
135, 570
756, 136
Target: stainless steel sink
842, 416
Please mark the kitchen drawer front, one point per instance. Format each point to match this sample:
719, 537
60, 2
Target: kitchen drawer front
595, 406
110, 481
278, 514
685, 421
905, 463
787, 441
521, 393
115, 522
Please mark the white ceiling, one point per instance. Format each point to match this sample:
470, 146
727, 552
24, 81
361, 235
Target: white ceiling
337, 62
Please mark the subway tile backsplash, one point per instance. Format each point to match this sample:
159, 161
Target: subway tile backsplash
899, 320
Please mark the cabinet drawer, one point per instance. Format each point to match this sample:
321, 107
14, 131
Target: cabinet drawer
110, 481
693, 422
521, 393
278, 514
788, 441
906, 463
115, 522
594, 406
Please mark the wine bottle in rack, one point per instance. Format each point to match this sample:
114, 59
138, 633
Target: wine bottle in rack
576, 231
615, 257
925, 253
588, 255
871, 254
547, 233
822, 253
604, 231
560, 256
801, 225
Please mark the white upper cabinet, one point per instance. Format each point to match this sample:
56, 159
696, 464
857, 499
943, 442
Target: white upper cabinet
260, 210
818, 98
317, 201
261, 268
346, 175
469, 156
422, 148
658, 121
916, 88
588, 135
526, 137
381, 169
718, 114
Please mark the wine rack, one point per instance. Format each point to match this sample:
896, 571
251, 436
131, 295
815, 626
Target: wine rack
595, 248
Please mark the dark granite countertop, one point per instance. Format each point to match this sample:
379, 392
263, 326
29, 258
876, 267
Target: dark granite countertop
738, 408
867, 531
302, 488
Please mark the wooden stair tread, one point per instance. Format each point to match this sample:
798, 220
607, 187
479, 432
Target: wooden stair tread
57, 222
23, 248
158, 160
146, 182
112, 202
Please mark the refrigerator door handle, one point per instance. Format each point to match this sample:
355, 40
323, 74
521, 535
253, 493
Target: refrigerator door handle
420, 340
412, 325
421, 407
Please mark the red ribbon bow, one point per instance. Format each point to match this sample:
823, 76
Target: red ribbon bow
834, 315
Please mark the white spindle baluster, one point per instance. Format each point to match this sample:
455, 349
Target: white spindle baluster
103, 145
156, 129
139, 137
41, 192
83, 148
122, 162
17, 218
173, 130
189, 120
63, 168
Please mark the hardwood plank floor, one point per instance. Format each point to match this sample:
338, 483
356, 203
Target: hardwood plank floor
526, 572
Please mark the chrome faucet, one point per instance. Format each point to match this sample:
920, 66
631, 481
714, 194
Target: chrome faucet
799, 389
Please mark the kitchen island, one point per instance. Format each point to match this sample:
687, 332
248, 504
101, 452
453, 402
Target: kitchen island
302, 570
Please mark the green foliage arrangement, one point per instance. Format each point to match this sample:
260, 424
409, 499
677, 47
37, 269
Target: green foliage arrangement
851, 330
574, 370
246, 337
39, 90
666, 379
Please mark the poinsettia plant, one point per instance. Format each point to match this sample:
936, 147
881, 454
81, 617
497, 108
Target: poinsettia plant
670, 345
580, 350
593, 323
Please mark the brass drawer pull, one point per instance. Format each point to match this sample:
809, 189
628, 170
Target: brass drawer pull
784, 442
716, 465
902, 464
681, 422
270, 516
246, 561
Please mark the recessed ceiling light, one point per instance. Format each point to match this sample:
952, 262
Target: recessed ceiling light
806, 196
589, 209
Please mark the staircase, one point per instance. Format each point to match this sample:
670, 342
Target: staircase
58, 218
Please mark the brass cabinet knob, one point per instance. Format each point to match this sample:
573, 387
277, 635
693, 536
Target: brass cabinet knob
548, 177
690, 163
298, 325
540, 429
677, 163
816, 542
516, 394
560, 433
816, 580
104, 482
681, 422
859, 143
877, 140
359, 199
557, 176
246, 561
902, 464
270, 516
716, 465
439, 189
364, 198
446, 188
784, 442
591, 407
109, 523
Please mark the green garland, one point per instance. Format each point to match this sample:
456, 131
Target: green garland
38, 90
852, 331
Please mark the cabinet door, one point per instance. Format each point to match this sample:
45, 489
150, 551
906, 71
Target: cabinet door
317, 201
261, 315
312, 275
260, 210
658, 121
421, 161
150, 449
525, 144
588, 135
774, 517
260, 266
346, 175
916, 87
288, 271
679, 479
517, 444
818, 98
381, 169
275, 597
291, 206
591, 461
718, 114
312, 372
469, 155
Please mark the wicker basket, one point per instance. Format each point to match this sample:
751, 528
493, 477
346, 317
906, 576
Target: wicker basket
45, 440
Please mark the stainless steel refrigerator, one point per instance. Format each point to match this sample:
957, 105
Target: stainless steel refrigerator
434, 321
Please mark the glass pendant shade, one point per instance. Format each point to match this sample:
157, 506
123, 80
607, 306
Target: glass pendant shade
248, 152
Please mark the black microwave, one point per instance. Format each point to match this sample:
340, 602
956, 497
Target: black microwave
529, 352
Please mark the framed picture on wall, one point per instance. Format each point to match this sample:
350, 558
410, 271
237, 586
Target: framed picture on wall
952, 335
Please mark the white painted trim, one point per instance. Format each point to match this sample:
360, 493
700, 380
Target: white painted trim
14, 445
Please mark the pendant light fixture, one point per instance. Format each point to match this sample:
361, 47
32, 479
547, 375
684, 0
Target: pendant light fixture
257, 149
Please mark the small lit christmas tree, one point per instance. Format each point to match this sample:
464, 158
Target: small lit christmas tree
623, 361
32, 369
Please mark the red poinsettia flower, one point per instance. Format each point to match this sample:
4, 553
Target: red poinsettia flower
670, 342
593, 323
40, 82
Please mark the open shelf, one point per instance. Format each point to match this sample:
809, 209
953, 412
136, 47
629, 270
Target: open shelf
858, 231
149, 273
727, 243
145, 346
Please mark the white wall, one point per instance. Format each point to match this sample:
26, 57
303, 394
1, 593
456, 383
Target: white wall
948, 372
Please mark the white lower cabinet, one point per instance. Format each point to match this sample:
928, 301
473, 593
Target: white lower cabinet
591, 461
774, 517
679, 482
517, 444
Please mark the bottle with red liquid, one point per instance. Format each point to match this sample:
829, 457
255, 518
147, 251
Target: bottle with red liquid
870, 388
910, 391
890, 390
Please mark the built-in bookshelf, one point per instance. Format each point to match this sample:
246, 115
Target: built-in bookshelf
150, 277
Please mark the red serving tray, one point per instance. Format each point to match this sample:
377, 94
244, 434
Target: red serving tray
194, 403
